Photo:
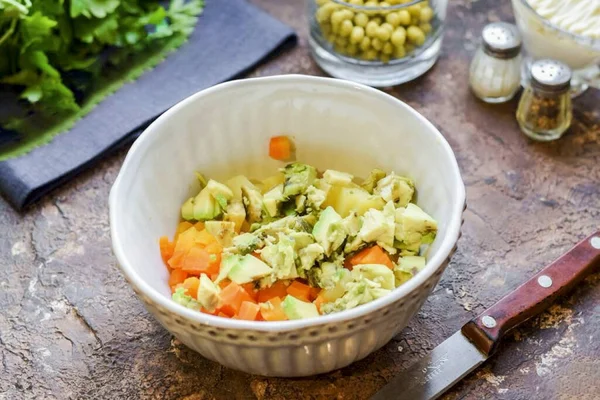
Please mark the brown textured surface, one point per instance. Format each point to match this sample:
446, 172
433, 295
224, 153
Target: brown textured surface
71, 328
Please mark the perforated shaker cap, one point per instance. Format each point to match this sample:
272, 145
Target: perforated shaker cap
550, 76
501, 40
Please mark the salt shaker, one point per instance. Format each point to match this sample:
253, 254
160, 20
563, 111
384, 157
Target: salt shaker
545, 110
495, 73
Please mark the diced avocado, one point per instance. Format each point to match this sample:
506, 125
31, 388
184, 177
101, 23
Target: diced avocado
227, 262
205, 206
398, 189
309, 255
301, 239
248, 269
187, 209
236, 213
223, 231
357, 292
247, 242
208, 293
408, 267
253, 202
218, 189
328, 231
413, 225
272, 181
180, 297
341, 278
352, 224
281, 256
236, 183
326, 277
376, 273
298, 309
352, 199
375, 176
298, 177
300, 202
201, 180
337, 178
386, 240
272, 200
314, 198
377, 225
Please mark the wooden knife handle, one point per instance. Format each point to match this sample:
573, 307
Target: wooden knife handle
535, 295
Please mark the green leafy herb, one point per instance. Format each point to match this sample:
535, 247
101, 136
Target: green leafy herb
54, 51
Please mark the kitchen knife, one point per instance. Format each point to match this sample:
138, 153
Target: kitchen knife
468, 348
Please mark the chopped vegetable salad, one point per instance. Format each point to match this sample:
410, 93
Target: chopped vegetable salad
296, 245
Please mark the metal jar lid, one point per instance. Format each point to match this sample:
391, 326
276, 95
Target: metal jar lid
550, 76
501, 40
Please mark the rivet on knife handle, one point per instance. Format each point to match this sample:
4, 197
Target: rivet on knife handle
534, 296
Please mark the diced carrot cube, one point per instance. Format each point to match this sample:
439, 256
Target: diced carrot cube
248, 311
278, 289
177, 276
192, 284
272, 311
299, 290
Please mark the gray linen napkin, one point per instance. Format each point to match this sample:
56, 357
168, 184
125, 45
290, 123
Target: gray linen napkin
231, 37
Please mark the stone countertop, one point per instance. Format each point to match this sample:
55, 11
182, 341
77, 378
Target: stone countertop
70, 327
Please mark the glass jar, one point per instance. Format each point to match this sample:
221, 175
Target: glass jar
495, 73
545, 110
377, 43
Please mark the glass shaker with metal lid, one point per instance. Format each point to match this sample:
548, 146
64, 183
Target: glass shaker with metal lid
495, 73
545, 110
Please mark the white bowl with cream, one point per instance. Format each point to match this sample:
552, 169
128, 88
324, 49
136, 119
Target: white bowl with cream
564, 30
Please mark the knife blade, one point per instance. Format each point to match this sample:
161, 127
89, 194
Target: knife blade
465, 350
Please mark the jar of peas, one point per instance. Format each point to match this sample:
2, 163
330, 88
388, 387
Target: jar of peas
376, 42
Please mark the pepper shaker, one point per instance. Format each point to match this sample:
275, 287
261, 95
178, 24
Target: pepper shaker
495, 73
545, 110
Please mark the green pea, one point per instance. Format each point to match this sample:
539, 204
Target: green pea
325, 29
335, 28
415, 35
414, 10
357, 35
389, 27
404, 17
372, 28
342, 41
361, 19
425, 27
346, 28
384, 4
321, 2
383, 34
398, 37
339, 49
330, 37
348, 14
377, 20
399, 52
426, 14
385, 58
365, 44
393, 19
371, 3
352, 49
356, 2
409, 47
324, 12
387, 48
370, 55
377, 44
337, 17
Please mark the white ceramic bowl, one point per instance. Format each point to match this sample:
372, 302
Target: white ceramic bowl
224, 131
